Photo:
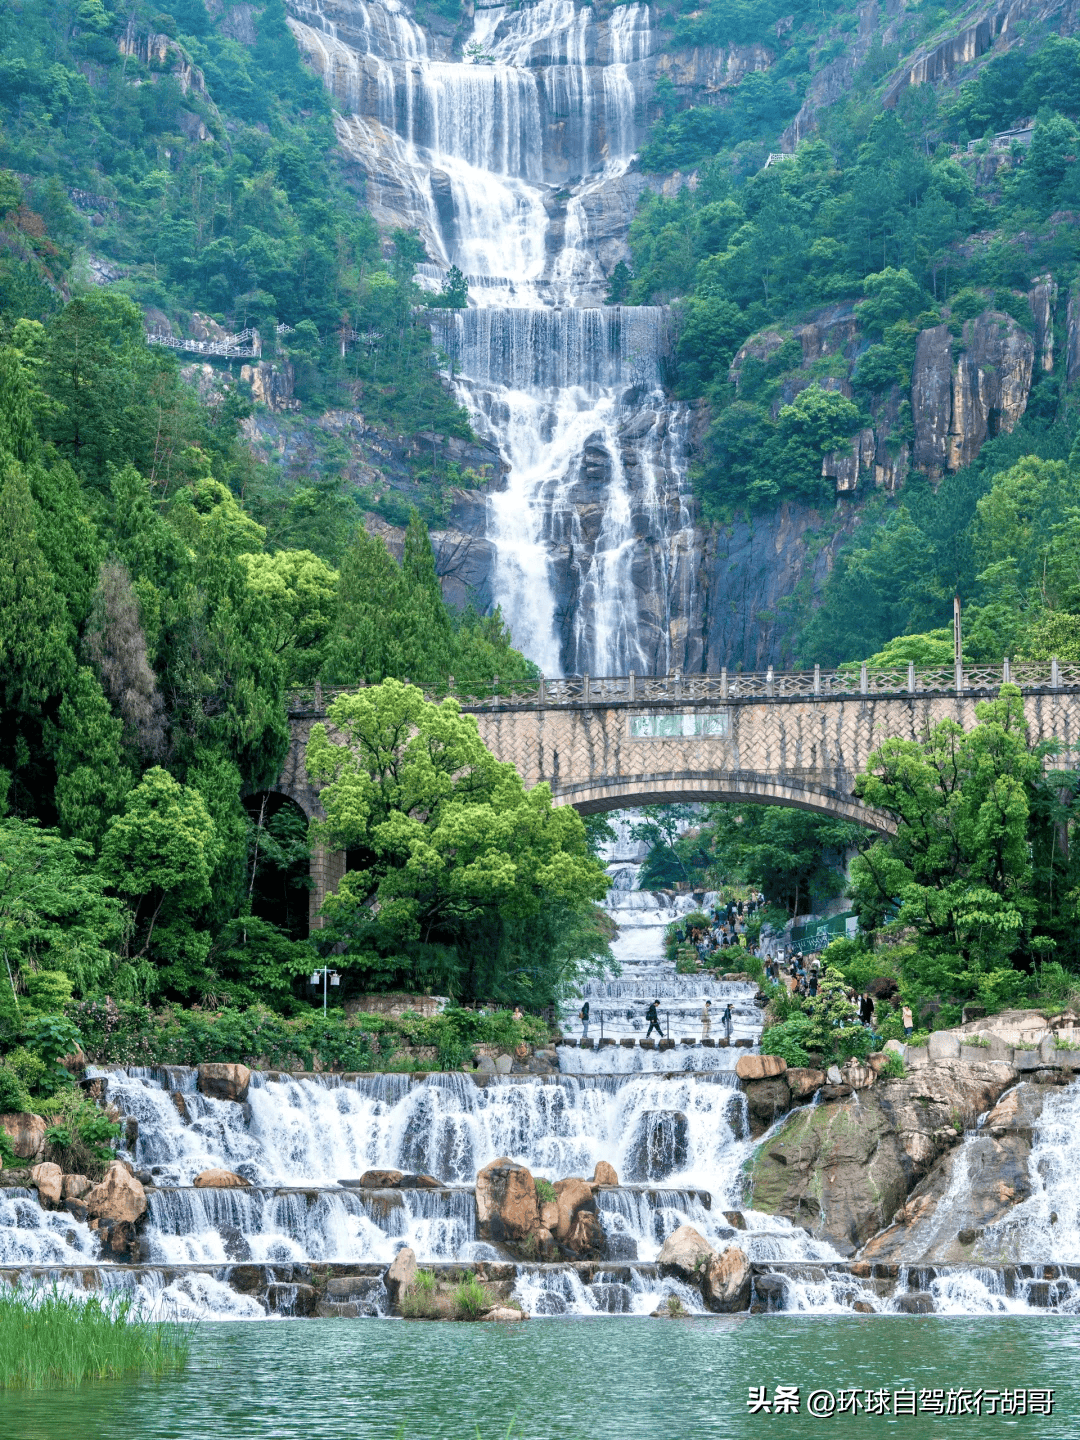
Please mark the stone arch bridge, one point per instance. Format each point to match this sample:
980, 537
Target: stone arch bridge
797, 738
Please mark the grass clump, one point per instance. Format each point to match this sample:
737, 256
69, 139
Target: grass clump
58, 1339
471, 1299
545, 1191
419, 1301
894, 1067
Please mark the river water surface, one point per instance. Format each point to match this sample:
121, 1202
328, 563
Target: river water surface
575, 1380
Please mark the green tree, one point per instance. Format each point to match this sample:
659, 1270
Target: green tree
458, 876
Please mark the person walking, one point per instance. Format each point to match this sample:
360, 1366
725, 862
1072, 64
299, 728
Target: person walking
654, 1020
583, 1016
866, 1010
706, 1020
727, 1022
909, 1021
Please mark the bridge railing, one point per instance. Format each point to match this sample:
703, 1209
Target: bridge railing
678, 688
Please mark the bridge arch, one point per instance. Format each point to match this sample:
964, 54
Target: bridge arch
631, 792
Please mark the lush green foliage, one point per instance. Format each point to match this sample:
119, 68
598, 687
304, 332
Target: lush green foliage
795, 857
459, 879
213, 189
132, 1034
53, 1339
825, 1027
977, 887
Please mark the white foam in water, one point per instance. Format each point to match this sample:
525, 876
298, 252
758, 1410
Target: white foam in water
1046, 1227
30, 1235
563, 1292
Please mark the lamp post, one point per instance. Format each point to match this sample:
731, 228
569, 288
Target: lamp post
325, 974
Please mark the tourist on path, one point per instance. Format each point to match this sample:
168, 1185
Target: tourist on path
727, 1022
706, 1020
653, 1019
909, 1021
583, 1016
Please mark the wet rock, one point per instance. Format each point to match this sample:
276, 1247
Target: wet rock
766, 1101
915, 1303
224, 1082
505, 1314
604, 1174
725, 1282
419, 1182
119, 1196
735, 1218
120, 1241
802, 1082
685, 1253
26, 1132
835, 1092
587, 1238
401, 1275
380, 1179
220, 1180
771, 1290
234, 1242
659, 1146
506, 1204
49, 1181
291, 1299
759, 1067
573, 1196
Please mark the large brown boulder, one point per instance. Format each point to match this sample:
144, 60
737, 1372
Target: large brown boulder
506, 1204
49, 1179
571, 1196
604, 1174
224, 1082
26, 1133
685, 1253
802, 1082
725, 1282
74, 1187
401, 1275
759, 1067
380, 1179
220, 1180
587, 1237
118, 1197
843, 1168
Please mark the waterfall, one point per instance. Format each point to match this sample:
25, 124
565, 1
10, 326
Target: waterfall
507, 157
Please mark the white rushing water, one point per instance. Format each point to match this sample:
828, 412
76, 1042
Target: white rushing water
507, 156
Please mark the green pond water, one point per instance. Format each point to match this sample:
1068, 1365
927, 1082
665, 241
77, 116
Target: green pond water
603, 1379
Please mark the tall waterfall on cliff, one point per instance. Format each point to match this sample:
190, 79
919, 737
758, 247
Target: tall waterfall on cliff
512, 161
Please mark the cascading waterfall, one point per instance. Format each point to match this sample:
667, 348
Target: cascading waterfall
500, 154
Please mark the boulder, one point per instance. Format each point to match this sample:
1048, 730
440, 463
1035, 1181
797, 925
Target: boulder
26, 1133
284, 1299
506, 1204
766, 1101
916, 1302
224, 1082
685, 1253
943, 1045
604, 1174
549, 1215
844, 1167
833, 1076
660, 1145
571, 1196
803, 1081
220, 1180
118, 1197
587, 1237
893, 1047
506, 1314
400, 1275
119, 1240
725, 1282
380, 1179
74, 1187
759, 1067
49, 1180
859, 1077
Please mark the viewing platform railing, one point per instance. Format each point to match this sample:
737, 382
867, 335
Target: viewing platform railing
696, 689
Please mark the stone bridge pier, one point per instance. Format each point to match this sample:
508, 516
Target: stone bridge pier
799, 739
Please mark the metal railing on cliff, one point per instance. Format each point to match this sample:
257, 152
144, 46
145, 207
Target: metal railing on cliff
679, 689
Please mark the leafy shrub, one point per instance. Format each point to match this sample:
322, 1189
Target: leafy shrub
545, 1191
687, 961
894, 1067
852, 1042
789, 1040
471, 1299
32, 1072
13, 1094
8, 1158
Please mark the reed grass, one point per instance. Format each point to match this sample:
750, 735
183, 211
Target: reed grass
55, 1339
